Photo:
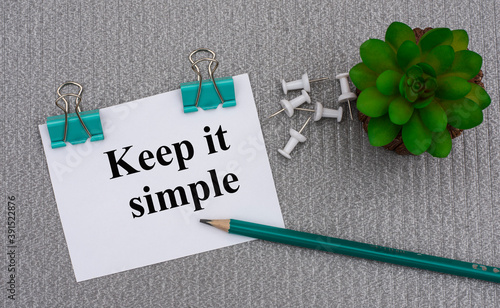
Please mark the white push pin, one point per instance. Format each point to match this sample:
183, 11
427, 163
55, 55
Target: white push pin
346, 95
295, 138
303, 83
321, 112
289, 106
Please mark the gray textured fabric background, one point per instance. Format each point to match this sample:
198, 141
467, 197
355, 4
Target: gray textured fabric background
336, 184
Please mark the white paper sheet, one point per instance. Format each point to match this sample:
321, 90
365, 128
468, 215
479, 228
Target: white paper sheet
102, 233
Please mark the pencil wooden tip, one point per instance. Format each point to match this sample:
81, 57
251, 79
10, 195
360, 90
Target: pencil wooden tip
222, 224
206, 221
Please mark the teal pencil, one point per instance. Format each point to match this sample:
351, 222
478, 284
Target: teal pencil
357, 249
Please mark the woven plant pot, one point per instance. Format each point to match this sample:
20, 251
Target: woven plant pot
397, 145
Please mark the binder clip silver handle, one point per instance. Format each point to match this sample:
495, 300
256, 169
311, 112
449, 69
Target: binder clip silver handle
196, 69
78, 100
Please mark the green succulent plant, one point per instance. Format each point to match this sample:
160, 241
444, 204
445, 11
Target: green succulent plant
418, 89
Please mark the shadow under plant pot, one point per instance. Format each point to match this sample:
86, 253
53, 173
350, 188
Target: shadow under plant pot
397, 145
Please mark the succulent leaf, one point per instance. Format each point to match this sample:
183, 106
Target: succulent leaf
434, 38
434, 117
452, 87
440, 58
373, 103
410, 95
381, 130
378, 56
415, 71
362, 77
408, 55
402, 84
460, 40
462, 113
397, 33
479, 96
416, 136
427, 69
400, 110
423, 102
388, 82
441, 144
466, 65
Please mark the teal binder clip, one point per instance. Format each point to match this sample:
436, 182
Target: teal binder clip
75, 127
215, 90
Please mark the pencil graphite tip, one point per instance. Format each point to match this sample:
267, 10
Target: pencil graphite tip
206, 221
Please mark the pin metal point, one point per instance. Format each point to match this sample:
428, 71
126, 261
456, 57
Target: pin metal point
305, 124
350, 110
276, 113
321, 112
318, 79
